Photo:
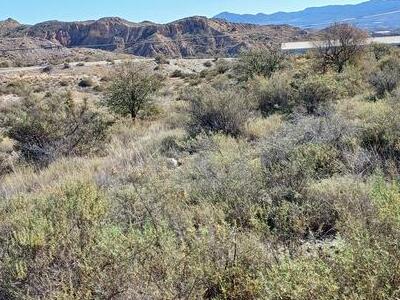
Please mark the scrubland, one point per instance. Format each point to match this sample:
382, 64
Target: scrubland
261, 178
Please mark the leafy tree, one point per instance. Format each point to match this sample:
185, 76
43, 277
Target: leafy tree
131, 90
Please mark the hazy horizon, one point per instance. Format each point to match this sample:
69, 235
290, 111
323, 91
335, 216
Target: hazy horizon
159, 11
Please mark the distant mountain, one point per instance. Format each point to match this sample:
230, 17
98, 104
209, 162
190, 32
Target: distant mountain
374, 15
190, 37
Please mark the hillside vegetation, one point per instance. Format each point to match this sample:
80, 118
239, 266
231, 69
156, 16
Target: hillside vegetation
269, 177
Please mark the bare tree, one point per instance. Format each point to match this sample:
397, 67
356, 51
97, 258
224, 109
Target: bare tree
341, 43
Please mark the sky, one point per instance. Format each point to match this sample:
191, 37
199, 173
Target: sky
161, 11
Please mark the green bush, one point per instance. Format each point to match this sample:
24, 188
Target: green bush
178, 74
387, 78
288, 280
131, 90
212, 110
308, 149
230, 177
380, 51
58, 246
47, 128
222, 66
315, 93
260, 62
275, 94
8, 158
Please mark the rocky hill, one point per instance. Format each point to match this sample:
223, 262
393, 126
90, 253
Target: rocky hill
39, 51
10, 27
190, 37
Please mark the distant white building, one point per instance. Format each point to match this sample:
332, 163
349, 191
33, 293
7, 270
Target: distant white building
306, 45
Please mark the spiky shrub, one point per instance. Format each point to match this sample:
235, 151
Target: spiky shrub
131, 90
47, 128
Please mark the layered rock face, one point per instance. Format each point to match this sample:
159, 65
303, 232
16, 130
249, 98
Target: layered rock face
190, 37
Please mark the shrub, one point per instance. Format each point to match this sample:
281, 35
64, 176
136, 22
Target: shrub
329, 201
131, 90
218, 111
380, 132
275, 94
260, 62
86, 82
161, 60
17, 87
49, 127
222, 66
380, 51
387, 78
5, 64
315, 92
64, 83
287, 279
300, 153
368, 240
229, 176
351, 82
58, 246
178, 74
306, 148
208, 64
258, 128
8, 159
47, 69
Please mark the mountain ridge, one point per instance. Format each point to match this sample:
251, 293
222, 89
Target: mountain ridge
189, 37
373, 15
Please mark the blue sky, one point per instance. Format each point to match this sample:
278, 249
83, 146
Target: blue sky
34, 11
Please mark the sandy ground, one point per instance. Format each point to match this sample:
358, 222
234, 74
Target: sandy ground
185, 65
